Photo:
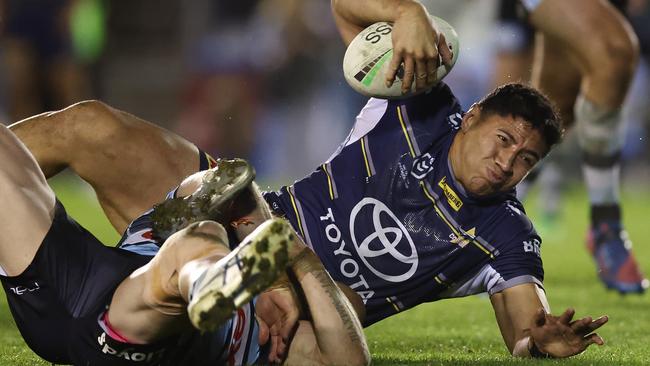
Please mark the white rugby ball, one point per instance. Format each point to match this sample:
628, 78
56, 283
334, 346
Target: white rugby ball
367, 60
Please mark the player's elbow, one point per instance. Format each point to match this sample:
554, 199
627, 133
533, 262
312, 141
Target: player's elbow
363, 358
353, 356
519, 348
361, 354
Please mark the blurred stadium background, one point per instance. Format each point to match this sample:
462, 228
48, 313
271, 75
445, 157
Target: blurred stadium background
262, 79
259, 79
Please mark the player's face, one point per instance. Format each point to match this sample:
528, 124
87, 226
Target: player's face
495, 152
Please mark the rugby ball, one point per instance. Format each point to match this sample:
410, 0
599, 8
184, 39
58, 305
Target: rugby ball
367, 60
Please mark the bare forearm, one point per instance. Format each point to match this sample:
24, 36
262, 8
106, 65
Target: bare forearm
365, 12
352, 16
334, 320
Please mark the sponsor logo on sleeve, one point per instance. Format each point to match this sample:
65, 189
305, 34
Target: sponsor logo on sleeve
532, 246
452, 198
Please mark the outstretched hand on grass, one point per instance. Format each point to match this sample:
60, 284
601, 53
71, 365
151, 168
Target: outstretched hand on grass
559, 336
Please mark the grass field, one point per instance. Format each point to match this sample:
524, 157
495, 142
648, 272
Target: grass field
463, 331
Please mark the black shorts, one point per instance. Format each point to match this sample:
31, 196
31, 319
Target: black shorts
68, 284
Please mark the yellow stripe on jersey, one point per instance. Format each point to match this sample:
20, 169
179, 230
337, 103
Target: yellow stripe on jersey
406, 135
452, 227
295, 209
365, 157
392, 303
329, 182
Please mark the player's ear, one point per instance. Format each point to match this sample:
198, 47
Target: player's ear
470, 117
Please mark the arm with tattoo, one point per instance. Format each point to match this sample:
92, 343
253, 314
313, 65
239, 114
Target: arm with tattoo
333, 335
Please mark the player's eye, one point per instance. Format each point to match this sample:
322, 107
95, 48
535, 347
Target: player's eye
528, 160
502, 139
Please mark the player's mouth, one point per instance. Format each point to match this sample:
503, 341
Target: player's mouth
495, 177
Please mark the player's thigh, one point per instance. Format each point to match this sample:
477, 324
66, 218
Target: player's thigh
151, 161
130, 163
557, 78
27, 205
591, 30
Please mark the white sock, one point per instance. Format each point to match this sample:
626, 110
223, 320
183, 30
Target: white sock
599, 136
602, 184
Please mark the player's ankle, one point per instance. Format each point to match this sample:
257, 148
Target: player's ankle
610, 213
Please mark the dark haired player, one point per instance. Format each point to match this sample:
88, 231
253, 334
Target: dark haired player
586, 55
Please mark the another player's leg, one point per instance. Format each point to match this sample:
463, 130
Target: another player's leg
601, 45
130, 163
27, 205
196, 275
206, 195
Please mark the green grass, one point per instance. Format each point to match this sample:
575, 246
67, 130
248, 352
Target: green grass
463, 331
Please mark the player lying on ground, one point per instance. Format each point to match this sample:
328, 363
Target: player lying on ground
419, 190
585, 61
77, 301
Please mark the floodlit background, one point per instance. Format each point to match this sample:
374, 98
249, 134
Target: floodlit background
262, 79
259, 79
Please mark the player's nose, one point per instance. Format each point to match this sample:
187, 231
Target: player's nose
505, 161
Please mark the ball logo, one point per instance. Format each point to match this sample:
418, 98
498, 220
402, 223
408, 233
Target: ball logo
388, 245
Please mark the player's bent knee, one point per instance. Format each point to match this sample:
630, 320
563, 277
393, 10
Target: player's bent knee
96, 122
621, 55
162, 288
210, 231
194, 241
612, 54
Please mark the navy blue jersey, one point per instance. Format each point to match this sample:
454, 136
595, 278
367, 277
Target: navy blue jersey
387, 217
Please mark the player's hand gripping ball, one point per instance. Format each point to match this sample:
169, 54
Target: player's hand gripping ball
367, 60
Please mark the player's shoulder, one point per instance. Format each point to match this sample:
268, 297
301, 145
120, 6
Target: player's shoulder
439, 107
508, 222
440, 95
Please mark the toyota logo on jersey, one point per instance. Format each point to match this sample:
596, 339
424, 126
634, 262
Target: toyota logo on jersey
384, 246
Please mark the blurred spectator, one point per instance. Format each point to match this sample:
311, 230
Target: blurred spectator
221, 95
40, 71
265, 71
